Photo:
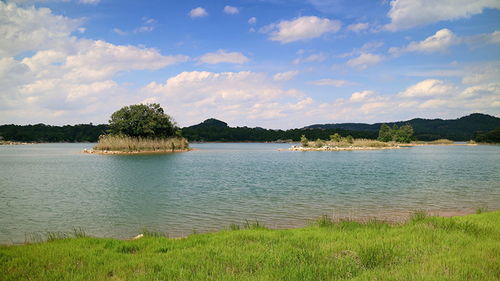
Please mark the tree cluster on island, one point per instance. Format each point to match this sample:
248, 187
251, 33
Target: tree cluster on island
141, 128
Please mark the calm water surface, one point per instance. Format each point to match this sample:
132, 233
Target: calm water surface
54, 187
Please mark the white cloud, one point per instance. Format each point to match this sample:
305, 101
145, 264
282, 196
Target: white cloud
100, 60
148, 25
230, 10
198, 13
119, 31
29, 2
94, 2
406, 14
361, 96
330, 82
252, 20
439, 42
245, 97
301, 28
368, 47
32, 29
428, 88
221, 56
311, 58
481, 73
481, 39
358, 27
364, 61
66, 79
285, 76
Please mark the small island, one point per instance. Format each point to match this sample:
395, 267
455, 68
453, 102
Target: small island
141, 129
389, 138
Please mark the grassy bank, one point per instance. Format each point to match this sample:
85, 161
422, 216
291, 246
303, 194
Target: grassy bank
425, 248
120, 143
344, 142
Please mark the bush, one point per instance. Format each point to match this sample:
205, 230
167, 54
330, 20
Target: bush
335, 137
304, 141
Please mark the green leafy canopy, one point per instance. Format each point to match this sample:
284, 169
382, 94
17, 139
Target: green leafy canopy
142, 120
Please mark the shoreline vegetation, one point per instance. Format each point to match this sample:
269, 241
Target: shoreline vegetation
121, 144
422, 248
4, 142
366, 144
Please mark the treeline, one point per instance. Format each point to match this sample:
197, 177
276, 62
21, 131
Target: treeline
238, 134
201, 132
492, 136
461, 129
47, 133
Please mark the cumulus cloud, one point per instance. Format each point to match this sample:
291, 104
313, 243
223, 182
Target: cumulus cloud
330, 82
439, 42
406, 14
358, 27
364, 60
361, 96
221, 56
301, 28
236, 97
65, 78
198, 13
28, 29
285, 76
230, 10
252, 20
428, 88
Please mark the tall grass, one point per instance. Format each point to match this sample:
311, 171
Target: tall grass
425, 248
441, 141
131, 144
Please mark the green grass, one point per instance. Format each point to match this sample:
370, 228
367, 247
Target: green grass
132, 144
424, 248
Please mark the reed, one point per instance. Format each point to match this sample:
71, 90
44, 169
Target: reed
441, 141
343, 142
124, 143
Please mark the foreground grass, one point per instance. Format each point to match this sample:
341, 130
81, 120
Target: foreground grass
132, 144
425, 248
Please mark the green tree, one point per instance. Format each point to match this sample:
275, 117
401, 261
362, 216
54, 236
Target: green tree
335, 137
142, 120
349, 139
304, 141
385, 133
404, 134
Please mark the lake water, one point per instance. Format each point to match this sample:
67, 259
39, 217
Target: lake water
53, 187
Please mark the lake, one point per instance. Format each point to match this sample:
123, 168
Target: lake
54, 187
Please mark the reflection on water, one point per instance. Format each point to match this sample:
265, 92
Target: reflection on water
54, 187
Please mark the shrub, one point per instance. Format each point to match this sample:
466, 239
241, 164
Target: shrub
304, 141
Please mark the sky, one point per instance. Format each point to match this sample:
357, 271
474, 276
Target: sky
266, 63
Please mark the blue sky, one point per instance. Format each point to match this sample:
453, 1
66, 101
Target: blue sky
274, 64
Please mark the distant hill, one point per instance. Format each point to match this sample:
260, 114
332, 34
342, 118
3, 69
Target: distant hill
461, 129
210, 123
475, 126
216, 130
